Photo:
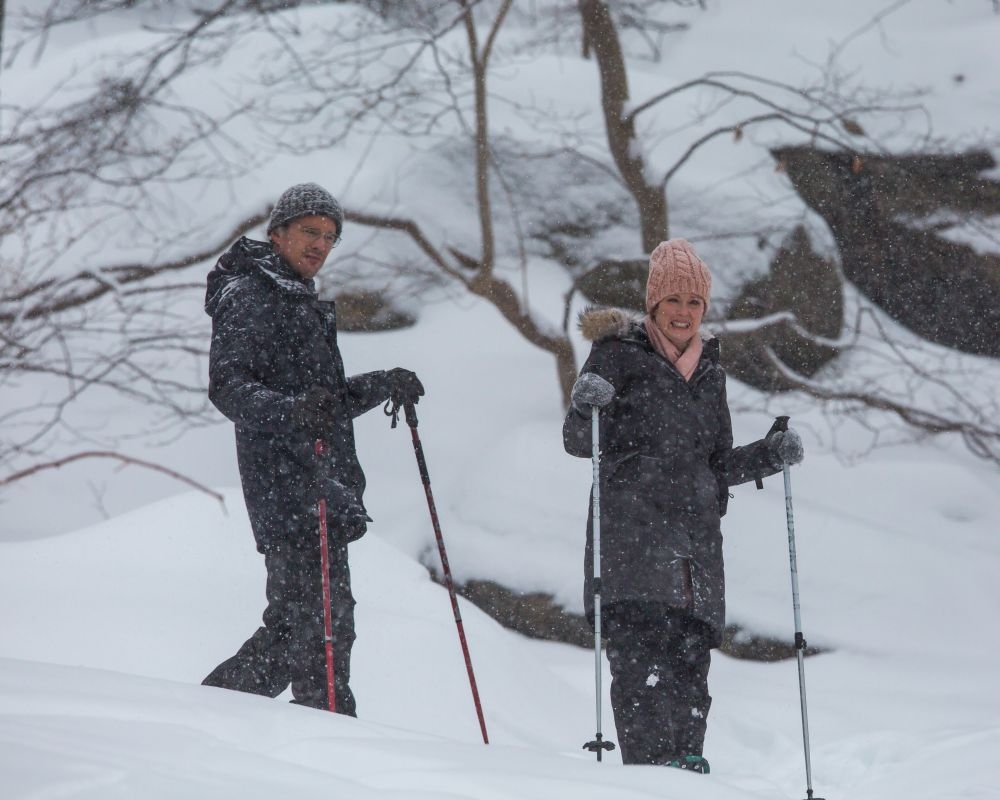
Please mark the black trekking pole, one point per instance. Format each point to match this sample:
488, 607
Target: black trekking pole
781, 424
598, 745
418, 450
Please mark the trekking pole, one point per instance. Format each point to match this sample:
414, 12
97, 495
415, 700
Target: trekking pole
781, 424
418, 450
598, 745
324, 558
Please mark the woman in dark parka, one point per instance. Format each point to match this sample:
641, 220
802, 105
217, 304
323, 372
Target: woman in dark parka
667, 463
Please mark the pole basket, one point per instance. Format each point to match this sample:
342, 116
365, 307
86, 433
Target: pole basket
599, 745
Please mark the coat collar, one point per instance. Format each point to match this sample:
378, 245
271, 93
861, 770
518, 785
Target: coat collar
599, 324
247, 258
262, 256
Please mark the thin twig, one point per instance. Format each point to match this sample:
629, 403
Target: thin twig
126, 460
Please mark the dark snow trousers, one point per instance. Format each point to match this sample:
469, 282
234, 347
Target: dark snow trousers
659, 660
289, 647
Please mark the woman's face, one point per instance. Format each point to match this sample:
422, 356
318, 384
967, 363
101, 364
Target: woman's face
679, 317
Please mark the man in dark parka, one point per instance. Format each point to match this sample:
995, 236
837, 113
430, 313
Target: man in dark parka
276, 371
667, 463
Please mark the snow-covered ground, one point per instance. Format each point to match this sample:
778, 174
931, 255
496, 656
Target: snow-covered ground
108, 630
107, 627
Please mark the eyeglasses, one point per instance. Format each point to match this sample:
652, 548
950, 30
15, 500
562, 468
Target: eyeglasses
312, 234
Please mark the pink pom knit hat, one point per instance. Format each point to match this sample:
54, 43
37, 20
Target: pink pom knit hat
674, 268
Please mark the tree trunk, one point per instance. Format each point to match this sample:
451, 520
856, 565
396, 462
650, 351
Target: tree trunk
500, 294
601, 37
566, 367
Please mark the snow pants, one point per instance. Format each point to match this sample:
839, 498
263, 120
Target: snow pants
289, 649
659, 659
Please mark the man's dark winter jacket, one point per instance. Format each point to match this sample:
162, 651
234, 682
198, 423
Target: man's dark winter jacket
667, 462
272, 338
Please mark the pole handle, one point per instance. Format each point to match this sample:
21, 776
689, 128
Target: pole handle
779, 425
391, 410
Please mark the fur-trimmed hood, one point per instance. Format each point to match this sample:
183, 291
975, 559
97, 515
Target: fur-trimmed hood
598, 324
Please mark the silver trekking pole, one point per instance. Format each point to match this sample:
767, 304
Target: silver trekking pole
599, 393
781, 424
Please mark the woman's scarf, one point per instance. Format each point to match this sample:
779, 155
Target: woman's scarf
685, 361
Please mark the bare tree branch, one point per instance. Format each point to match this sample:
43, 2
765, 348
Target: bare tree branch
102, 144
88, 285
983, 441
125, 460
484, 284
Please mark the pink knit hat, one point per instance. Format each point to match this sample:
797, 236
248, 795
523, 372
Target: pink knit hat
674, 268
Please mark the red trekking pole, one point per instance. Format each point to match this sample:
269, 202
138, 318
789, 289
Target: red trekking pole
418, 450
324, 557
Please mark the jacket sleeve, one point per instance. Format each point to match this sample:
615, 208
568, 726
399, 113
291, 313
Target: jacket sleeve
365, 391
232, 385
736, 465
578, 426
577, 439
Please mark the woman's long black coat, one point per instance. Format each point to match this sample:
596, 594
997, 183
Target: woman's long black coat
667, 462
272, 338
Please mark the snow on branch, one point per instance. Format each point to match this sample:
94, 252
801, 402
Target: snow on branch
759, 324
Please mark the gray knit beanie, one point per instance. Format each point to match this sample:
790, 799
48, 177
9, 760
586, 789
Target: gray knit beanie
303, 200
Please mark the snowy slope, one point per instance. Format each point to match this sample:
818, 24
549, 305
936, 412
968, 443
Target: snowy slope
107, 632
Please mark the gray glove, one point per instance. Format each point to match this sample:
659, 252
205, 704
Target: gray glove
785, 447
591, 390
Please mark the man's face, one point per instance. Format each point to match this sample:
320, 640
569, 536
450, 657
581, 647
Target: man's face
305, 243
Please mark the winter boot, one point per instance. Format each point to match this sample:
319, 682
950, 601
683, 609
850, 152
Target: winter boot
692, 763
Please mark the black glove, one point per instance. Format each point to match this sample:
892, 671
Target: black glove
404, 386
342, 503
314, 410
348, 519
591, 390
785, 447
